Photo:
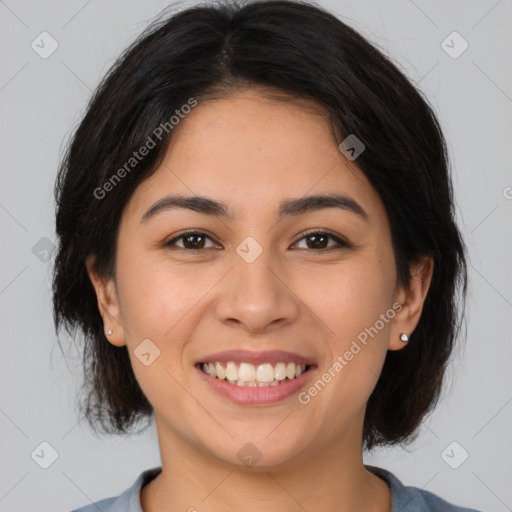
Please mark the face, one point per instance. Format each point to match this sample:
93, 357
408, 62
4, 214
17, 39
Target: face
316, 283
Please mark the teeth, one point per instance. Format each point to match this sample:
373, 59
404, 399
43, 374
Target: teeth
281, 371
249, 375
266, 373
221, 373
231, 372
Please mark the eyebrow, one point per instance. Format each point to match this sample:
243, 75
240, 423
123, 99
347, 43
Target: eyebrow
287, 207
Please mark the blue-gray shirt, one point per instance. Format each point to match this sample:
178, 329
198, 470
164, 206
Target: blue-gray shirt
403, 498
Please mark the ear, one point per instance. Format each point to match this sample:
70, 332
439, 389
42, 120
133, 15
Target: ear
412, 300
108, 304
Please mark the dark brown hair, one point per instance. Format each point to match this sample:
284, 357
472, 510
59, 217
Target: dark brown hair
304, 52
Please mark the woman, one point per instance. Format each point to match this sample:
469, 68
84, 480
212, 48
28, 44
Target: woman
257, 240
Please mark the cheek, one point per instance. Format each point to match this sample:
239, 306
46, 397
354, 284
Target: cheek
160, 303
157, 296
353, 305
349, 297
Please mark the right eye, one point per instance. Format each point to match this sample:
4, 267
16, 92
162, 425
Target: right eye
193, 241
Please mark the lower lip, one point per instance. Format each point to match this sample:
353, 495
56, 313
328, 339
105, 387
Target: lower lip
255, 395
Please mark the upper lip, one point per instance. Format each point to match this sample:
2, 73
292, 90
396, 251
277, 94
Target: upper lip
247, 356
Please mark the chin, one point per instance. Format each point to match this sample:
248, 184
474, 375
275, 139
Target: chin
259, 453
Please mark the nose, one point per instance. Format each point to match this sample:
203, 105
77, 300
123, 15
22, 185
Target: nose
257, 296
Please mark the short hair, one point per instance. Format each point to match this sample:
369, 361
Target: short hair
303, 52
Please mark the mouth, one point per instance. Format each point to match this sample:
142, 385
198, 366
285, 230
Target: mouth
245, 374
255, 379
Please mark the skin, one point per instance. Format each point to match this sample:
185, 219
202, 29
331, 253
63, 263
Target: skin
251, 152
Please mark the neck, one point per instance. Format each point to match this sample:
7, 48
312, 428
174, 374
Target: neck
324, 477
333, 478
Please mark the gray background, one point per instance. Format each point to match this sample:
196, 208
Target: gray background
42, 100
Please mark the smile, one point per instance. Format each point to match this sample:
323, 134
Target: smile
249, 375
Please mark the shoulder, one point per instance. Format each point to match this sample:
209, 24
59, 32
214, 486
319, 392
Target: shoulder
104, 505
128, 501
414, 499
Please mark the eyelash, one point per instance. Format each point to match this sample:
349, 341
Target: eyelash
342, 244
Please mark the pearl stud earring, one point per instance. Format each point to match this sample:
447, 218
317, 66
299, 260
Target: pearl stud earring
404, 338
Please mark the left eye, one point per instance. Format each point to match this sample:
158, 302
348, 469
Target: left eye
319, 238
195, 240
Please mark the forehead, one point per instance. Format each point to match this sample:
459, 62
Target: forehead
252, 152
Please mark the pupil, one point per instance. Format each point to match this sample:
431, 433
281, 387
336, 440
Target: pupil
193, 237
317, 237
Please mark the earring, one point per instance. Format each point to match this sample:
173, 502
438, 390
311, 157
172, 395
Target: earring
404, 337
109, 332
